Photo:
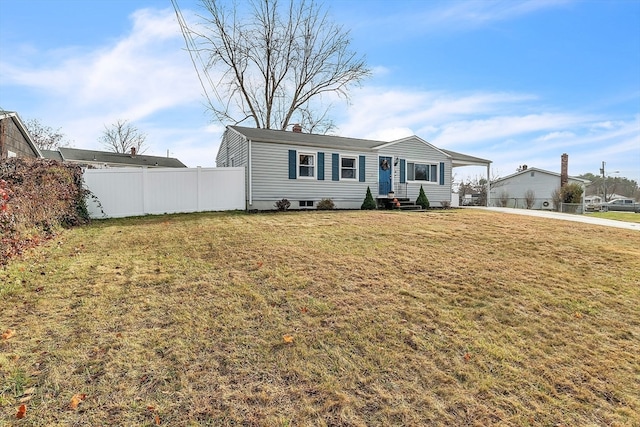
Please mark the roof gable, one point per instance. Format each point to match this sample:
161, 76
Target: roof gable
411, 138
22, 128
546, 172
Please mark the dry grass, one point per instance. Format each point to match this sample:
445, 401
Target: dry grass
439, 318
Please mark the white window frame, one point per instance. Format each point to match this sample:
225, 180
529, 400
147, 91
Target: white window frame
356, 159
315, 165
430, 168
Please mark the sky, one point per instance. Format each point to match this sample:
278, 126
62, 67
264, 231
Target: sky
515, 82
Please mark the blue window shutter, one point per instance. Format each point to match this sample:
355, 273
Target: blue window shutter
320, 166
361, 169
441, 173
403, 167
335, 167
292, 164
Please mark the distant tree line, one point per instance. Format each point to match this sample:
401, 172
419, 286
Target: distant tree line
611, 185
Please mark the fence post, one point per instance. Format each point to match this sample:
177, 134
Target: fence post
145, 192
198, 187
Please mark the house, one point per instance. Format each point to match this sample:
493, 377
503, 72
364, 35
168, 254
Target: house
306, 168
105, 159
15, 140
511, 191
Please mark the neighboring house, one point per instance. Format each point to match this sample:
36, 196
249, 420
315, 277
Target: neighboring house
306, 168
542, 183
106, 159
15, 140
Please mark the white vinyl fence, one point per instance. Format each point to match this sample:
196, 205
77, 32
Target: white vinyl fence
124, 192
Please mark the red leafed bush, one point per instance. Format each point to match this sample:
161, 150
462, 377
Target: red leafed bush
36, 197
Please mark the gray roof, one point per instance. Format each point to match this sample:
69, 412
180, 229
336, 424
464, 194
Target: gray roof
76, 155
530, 169
331, 141
460, 159
52, 155
305, 139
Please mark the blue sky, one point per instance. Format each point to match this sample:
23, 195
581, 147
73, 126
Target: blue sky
516, 82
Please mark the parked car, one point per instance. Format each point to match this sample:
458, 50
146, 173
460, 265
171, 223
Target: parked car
625, 205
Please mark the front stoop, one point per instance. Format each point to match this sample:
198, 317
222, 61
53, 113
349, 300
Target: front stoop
405, 204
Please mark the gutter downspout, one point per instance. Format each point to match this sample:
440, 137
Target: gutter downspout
249, 175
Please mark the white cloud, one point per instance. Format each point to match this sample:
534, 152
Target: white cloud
555, 136
383, 109
144, 72
137, 77
478, 124
470, 14
451, 16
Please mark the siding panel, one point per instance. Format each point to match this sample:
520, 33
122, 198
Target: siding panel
270, 178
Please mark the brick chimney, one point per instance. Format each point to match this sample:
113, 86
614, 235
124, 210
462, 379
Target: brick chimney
297, 128
564, 170
133, 151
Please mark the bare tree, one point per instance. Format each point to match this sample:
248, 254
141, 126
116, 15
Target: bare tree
274, 62
503, 199
45, 137
529, 198
122, 136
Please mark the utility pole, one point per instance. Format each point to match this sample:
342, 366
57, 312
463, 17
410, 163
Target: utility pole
604, 184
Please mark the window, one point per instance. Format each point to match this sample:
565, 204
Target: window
306, 203
306, 165
348, 168
422, 172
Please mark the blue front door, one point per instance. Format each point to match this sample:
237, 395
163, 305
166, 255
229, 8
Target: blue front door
384, 175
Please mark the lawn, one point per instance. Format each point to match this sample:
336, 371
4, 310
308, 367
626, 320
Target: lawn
618, 216
443, 318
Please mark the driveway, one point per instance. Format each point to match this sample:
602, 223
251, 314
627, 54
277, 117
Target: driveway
567, 217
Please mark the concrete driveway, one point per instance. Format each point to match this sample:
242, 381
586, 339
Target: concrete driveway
566, 217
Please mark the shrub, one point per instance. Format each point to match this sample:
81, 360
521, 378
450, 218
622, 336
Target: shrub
529, 198
503, 199
422, 199
571, 193
368, 203
283, 205
326, 205
36, 197
446, 204
556, 198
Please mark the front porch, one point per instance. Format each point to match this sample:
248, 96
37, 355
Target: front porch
401, 203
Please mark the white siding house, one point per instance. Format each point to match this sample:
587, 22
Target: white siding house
306, 168
542, 183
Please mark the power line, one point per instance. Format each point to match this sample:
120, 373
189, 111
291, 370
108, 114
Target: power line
192, 49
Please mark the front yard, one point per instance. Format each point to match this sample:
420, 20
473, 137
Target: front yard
444, 318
